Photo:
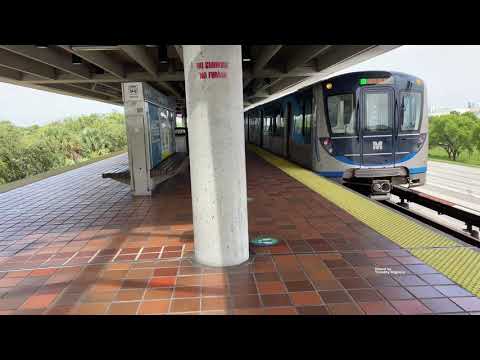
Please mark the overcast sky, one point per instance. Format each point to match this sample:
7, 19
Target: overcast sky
451, 74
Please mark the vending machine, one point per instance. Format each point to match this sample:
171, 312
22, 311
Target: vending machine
150, 119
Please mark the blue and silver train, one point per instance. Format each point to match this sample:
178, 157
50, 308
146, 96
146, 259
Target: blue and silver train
366, 129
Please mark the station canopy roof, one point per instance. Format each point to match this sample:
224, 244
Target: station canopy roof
97, 71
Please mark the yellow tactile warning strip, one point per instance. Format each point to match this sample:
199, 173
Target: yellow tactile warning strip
396, 227
460, 264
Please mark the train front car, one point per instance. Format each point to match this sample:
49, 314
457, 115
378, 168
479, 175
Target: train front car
372, 130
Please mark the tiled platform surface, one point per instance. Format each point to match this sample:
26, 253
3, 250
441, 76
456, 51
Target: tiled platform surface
80, 244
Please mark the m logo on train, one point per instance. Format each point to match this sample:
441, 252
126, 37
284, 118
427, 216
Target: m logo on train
377, 145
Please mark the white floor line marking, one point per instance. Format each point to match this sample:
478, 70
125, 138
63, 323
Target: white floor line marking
115, 256
161, 252
93, 256
70, 258
183, 249
138, 255
50, 258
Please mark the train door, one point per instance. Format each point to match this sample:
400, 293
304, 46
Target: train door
247, 128
377, 126
288, 139
267, 124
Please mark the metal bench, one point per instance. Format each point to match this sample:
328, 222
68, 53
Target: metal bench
168, 168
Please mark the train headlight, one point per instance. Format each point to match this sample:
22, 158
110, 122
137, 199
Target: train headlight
327, 144
329, 86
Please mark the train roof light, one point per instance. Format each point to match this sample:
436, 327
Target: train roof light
329, 86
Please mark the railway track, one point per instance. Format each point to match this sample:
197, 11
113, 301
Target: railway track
471, 219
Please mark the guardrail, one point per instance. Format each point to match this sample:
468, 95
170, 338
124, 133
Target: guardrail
442, 207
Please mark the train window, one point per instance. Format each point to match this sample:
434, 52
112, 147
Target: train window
267, 124
298, 123
276, 124
280, 121
341, 114
377, 111
307, 121
412, 109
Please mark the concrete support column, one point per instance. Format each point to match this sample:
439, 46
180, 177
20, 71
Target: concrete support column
214, 93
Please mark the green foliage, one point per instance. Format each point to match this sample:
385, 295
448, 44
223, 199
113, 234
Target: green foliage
439, 154
455, 133
32, 150
476, 136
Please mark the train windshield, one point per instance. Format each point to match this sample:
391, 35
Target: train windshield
341, 114
412, 108
377, 112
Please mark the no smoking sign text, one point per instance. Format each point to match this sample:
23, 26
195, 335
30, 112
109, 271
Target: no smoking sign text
212, 69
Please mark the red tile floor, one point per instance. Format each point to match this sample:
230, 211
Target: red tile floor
79, 244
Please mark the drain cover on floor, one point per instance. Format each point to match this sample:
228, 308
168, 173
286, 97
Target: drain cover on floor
264, 241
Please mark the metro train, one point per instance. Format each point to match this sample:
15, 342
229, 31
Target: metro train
365, 129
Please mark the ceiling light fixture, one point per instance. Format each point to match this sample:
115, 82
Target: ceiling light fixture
162, 54
76, 60
246, 53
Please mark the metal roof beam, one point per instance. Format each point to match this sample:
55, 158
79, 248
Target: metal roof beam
65, 89
100, 78
10, 74
49, 57
283, 84
25, 65
265, 55
99, 59
94, 89
339, 54
141, 56
179, 50
303, 55
163, 76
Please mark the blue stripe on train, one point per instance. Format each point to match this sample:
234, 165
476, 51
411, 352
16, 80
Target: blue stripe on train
335, 174
418, 170
406, 158
331, 173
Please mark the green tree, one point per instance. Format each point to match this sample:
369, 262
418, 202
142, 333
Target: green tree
11, 150
476, 135
452, 132
26, 151
471, 115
